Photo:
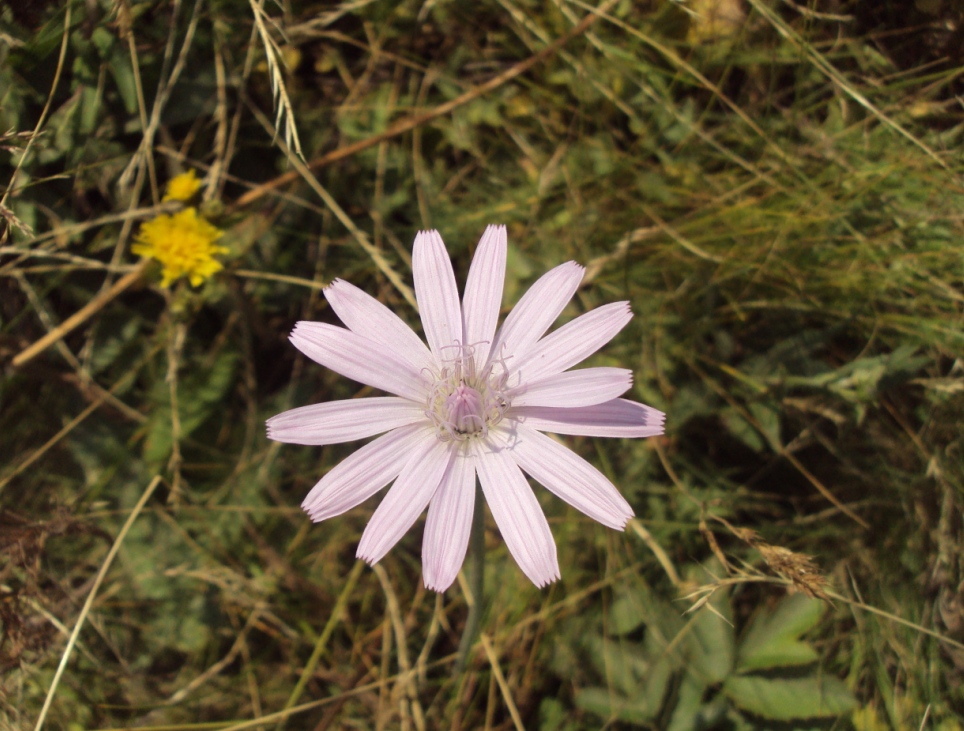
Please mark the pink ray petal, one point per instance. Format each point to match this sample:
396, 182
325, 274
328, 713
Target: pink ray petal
449, 524
573, 342
365, 472
359, 359
483, 293
437, 294
366, 316
569, 476
334, 422
616, 418
584, 387
518, 514
536, 311
416, 485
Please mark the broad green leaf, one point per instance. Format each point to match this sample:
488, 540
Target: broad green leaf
710, 644
103, 40
199, 394
123, 72
740, 428
554, 716
63, 124
772, 639
625, 663
89, 109
788, 699
687, 714
625, 615
606, 704
657, 683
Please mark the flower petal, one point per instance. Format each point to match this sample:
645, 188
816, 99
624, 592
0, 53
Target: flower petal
483, 293
616, 418
569, 476
365, 472
449, 524
536, 311
573, 342
359, 359
518, 514
584, 387
407, 498
334, 422
437, 294
366, 316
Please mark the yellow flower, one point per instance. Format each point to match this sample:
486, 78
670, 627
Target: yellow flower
182, 187
183, 244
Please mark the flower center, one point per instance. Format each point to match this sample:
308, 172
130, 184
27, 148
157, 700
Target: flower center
463, 402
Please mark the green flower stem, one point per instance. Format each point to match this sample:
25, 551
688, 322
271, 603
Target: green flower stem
476, 580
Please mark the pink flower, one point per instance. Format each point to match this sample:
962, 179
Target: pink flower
474, 402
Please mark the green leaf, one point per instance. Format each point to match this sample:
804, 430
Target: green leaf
687, 714
120, 67
773, 639
606, 704
710, 643
788, 699
554, 716
199, 394
740, 428
625, 663
625, 615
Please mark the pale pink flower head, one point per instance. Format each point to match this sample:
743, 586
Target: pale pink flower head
475, 402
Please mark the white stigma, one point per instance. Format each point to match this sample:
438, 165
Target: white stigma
463, 402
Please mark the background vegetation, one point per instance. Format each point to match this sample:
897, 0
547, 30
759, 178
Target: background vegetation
775, 186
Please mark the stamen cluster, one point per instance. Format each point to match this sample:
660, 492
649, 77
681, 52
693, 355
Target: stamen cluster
465, 402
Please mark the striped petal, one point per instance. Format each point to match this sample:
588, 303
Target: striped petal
449, 524
584, 387
483, 293
437, 295
365, 472
518, 514
359, 359
536, 311
366, 316
407, 498
334, 422
568, 476
573, 342
616, 418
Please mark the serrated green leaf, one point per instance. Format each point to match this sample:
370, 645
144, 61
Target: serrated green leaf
789, 699
773, 639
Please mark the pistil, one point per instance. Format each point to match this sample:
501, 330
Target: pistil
464, 403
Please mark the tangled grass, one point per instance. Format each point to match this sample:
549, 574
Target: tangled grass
776, 188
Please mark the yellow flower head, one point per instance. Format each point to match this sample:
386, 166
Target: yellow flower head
182, 187
183, 244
